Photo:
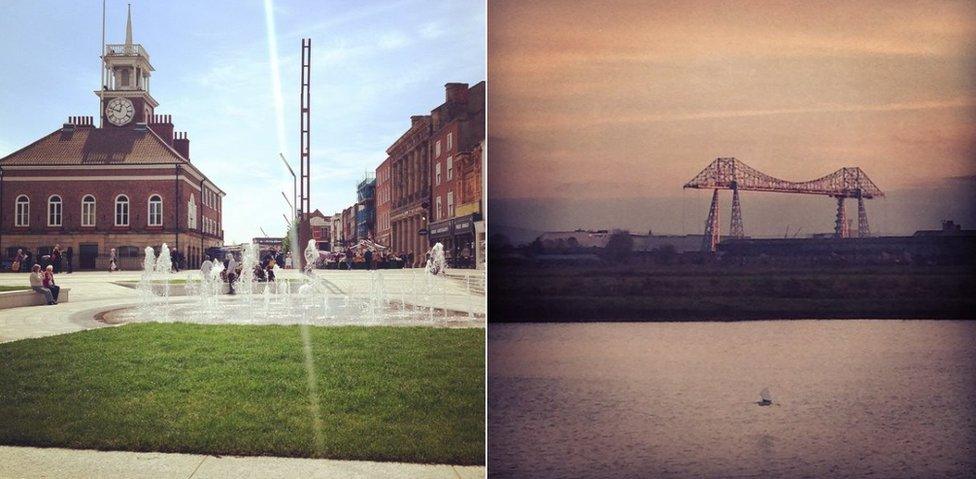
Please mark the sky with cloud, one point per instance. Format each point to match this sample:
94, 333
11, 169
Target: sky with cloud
631, 99
373, 65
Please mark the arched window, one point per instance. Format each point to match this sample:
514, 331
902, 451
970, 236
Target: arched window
191, 213
54, 211
155, 210
88, 211
22, 211
121, 210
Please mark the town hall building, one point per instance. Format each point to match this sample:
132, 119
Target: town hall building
126, 183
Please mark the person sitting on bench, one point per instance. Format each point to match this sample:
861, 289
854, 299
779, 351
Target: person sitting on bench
49, 282
37, 284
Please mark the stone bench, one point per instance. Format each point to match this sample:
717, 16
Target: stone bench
29, 297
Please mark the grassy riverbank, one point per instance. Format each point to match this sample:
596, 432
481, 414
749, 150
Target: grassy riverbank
382, 394
717, 292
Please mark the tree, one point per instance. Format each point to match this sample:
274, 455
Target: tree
290, 237
619, 246
573, 243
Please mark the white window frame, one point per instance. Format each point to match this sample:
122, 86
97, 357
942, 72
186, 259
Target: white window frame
450, 140
437, 173
450, 168
55, 210
22, 211
191, 213
157, 215
450, 204
439, 212
437, 149
88, 209
122, 200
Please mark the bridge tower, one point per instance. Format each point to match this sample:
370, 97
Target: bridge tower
863, 229
711, 237
840, 225
735, 229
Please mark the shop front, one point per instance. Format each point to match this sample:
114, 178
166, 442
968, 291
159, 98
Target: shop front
463, 241
440, 232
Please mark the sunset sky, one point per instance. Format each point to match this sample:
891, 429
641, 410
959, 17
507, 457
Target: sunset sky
601, 101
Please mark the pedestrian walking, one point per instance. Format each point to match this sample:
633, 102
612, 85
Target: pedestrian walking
206, 267
231, 272
18, 261
56, 258
112, 261
69, 255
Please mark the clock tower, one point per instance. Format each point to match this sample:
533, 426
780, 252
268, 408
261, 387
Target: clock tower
125, 97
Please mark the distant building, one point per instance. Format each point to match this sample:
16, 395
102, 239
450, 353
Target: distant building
457, 138
336, 232
951, 245
366, 207
564, 241
320, 227
126, 183
349, 226
382, 233
410, 178
949, 228
266, 244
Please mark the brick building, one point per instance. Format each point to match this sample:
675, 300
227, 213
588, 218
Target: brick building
336, 231
349, 226
366, 208
410, 195
125, 184
382, 235
457, 136
320, 227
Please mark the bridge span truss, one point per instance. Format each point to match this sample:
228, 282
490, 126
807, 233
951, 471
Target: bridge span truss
732, 174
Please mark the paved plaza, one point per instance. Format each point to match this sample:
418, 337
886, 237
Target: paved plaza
460, 290
72, 463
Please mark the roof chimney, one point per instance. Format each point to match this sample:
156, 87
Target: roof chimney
78, 121
182, 145
162, 125
416, 119
456, 92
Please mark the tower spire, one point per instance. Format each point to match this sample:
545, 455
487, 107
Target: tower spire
128, 30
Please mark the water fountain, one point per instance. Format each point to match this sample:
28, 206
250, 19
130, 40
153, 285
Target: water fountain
301, 297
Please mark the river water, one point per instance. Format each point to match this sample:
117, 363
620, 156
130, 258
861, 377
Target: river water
851, 399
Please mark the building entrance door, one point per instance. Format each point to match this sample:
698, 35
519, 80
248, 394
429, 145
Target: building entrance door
86, 256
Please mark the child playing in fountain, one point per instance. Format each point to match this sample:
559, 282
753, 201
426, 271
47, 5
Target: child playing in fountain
270, 269
231, 272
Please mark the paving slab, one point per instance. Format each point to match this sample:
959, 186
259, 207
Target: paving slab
32, 462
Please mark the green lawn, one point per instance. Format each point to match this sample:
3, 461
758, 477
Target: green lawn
13, 288
385, 394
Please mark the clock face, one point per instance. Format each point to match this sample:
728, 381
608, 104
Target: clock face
119, 111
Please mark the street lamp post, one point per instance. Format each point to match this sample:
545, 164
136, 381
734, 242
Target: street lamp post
292, 206
294, 184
